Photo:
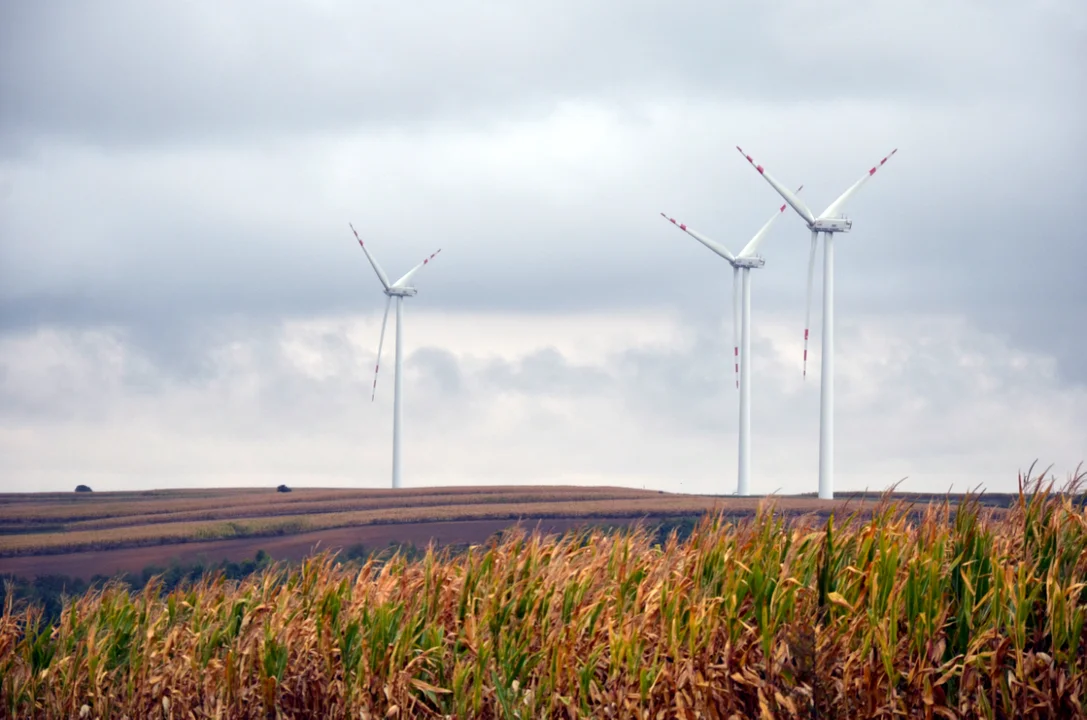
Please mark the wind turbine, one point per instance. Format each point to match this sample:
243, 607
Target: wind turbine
741, 323
829, 222
399, 290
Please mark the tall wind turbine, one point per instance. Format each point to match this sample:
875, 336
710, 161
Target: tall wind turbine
741, 324
829, 222
399, 290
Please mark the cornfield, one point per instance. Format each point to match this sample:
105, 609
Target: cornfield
935, 611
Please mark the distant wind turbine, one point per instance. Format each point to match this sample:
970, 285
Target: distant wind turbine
399, 290
741, 324
830, 221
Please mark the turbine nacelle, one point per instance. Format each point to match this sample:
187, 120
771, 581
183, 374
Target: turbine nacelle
832, 225
754, 261
401, 292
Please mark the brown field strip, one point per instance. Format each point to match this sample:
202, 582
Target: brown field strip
110, 562
167, 533
71, 507
56, 524
317, 507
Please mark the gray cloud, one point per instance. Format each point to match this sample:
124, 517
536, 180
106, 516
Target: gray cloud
121, 72
438, 370
546, 372
184, 177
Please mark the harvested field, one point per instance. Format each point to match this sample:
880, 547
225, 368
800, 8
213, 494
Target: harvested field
37, 525
87, 565
52, 508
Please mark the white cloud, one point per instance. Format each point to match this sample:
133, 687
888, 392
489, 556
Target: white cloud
932, 399
181, 300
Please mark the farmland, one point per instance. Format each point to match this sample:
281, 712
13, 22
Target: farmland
81, 534
894, 612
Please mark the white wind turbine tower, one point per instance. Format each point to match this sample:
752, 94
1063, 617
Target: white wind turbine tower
829, 222
399, 290
741, 317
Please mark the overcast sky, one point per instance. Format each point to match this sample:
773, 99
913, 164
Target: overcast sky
182, 302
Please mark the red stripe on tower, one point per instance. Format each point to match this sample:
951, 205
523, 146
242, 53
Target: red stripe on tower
805, 374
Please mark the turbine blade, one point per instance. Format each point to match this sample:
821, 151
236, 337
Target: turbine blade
403, 282
796, 203
377, 268
380, 344
711, 244
836, 207
807, 314
754, 243
736, 322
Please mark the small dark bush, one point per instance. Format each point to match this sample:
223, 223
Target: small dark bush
283, 488
83, 488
